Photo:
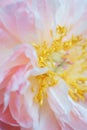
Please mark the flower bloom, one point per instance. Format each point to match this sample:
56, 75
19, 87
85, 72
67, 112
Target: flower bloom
43, 65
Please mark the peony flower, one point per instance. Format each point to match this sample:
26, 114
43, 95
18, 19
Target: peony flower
43, 65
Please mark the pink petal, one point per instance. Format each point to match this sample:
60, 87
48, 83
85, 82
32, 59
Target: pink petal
75, 13
1, 96
5, 2
45, 11
23, 56
14, 84
8, 19
72, 13
26, 129
74, 16
6, 117
78, 115
27, 21
19, 111
47, 119
19, 20
66, 127
31, 106
7, 43
4, 126
58, 98
78, 122
65, 110
7, 77
81, 24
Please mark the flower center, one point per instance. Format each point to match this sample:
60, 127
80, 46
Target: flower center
64, 59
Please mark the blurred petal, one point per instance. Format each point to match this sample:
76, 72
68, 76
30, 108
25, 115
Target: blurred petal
7, 43
6, 117
47, 119
14, 84
65, 110
22, 55
26, 129
60, 96
27, 20
5, 2
30, 21
45, 17
19, 20
32, 107
74, 16
4, 126
1, 96
78, 115
19, 111
73, 12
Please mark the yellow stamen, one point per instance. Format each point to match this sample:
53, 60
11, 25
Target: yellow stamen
53, 56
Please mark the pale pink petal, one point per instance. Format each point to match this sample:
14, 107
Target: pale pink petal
45, 11
78, 122
64, 126
78, 114
19, 20
74, 16
81, 25
73, 12
7, 43
61, 15
19, 111
6, 79
8, 19
17, 82
76, 12
27, 129
31, 106
47, 119
14, 84
5, 2
22, 56
25, 21
60, 96
6, 39
42, 117
66, 111
28, 21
